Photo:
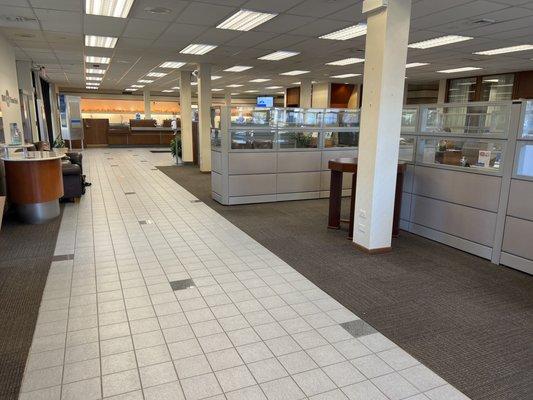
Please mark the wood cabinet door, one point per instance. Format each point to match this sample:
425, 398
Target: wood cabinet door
95, 131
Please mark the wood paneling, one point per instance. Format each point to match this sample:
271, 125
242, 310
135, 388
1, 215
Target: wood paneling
341, 94
95, 131
30, 182
2, 203
523, 85
293, 97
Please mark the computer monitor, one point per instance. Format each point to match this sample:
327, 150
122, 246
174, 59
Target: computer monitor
265, 101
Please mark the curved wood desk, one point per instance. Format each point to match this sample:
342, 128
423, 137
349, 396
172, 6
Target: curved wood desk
34, 184
340, 165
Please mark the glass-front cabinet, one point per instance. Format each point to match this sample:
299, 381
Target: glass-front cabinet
524, 145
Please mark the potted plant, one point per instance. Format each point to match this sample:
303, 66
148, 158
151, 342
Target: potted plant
59, 145
175, 148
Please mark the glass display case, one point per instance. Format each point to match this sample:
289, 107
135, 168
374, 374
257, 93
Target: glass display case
216, 139
471, 120
527, 127
299, 117
298, 139
251, 116
342, 118
407, 149
483, 155
409, 120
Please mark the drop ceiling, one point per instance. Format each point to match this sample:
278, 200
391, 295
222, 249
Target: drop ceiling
51, 33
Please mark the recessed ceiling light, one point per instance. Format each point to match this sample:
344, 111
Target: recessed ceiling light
95, 71
462, 69
439, 41
97, 60
215, 77
198, 49
295, 72
415, 64
244, 20
167, 91
234, 85
347, 61
273, 87
260, 80
217, 90
238, 68
108, 42
137, 86
347, 33
251, 91
172, 64
108, 8
156, 74
145, 81
504, 50
93, 78
345, 76
279, 55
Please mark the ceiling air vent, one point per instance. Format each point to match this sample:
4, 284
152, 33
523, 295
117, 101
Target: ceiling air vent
484, 21
158, 10
18, 18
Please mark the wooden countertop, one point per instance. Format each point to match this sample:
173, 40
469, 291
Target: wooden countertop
34, 156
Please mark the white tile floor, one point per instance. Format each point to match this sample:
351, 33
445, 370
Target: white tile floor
253, 328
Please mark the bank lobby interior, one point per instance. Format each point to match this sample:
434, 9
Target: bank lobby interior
266, 200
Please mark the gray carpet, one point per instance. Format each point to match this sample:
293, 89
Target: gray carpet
26, 253
465, 318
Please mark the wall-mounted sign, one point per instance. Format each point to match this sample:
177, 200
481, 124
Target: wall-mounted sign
6, 98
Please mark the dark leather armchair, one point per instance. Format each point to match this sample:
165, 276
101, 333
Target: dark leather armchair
73, 185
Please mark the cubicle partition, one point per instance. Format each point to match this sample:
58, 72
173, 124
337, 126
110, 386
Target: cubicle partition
469, 177
277, 154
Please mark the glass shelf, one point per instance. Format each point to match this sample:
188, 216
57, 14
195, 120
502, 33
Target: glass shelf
298, 140
252, 139
463, 153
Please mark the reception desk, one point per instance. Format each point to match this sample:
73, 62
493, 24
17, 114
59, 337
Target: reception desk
34, 184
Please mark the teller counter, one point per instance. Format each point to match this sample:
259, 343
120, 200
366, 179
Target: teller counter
99, 132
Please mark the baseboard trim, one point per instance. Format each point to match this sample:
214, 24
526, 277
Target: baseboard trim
380, 250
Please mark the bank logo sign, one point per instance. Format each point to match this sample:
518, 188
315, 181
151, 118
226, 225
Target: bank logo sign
6, 98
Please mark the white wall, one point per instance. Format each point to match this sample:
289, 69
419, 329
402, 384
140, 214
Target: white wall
9, 83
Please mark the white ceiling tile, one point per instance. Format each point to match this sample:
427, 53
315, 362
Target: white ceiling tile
285, 23
319, 8
59, 21
103, 26
64, 5
205, 14
174, 6
141, 28
274, 6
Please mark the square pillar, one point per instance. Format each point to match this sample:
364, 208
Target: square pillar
384, 79
306, 89
204, 116
186, 116
147, 105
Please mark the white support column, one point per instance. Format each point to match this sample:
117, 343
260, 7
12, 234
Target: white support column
186, 116
147, 105
204, 115
306, 89
441, 98
227, 99
384, 78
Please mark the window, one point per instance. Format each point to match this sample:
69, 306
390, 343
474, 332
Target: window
481, 88
497, 87
462, 90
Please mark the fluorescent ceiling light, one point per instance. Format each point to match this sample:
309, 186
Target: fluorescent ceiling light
175, 88
296, 83
238, 68
295, 72
217, 90
504, 50
194, 83
91, 87
156, 74
92, 83
251, 91
439, 41
100, 41
347, 33
462, 69
172, 64
137, 86
108, 8
234, 94
97, 60
273, 87
145, 81
234, 85
345, 76
279, 55
167, 91
347, 61
215, 77
415, 64
491, 80
93, 78
198, 49
130, 90
96, 71
245, 20
260, 80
